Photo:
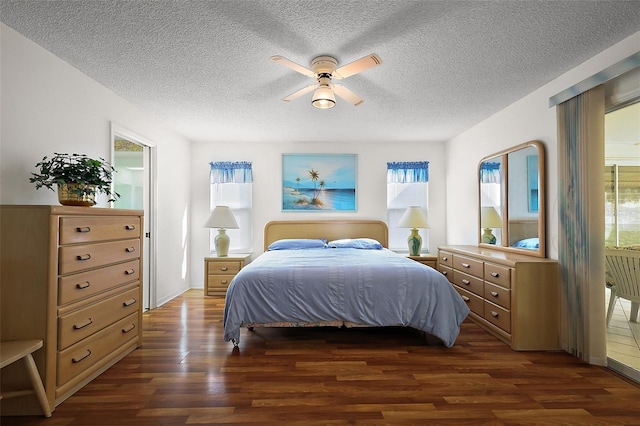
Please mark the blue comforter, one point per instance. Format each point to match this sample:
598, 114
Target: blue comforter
371, 287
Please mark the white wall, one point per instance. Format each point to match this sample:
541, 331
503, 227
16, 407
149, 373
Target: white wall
267, 187
527, 119
48, 106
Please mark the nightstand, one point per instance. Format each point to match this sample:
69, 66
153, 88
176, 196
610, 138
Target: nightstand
427, 259
219, 271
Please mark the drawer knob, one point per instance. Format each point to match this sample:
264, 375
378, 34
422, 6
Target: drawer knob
130, 249
128, 329
445, 258
130, 227
224, 268
465, 265
444, 272
494, 314
83, 229
129, 272
495, 274
83, 256
494, 293
129, 302
82, 286
76, 360
466, 282
223, 282
465, 298
88, 322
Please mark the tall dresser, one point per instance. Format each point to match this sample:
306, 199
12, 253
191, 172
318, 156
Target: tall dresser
513, 296
71, 276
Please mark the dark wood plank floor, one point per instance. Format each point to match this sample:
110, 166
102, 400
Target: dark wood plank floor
186, 374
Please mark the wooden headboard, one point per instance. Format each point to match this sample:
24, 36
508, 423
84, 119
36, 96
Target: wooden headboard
329, 229
519, 229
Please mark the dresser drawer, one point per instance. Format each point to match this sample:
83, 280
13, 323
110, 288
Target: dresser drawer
446, 271
84, 354
224, 268
498, 295
86, 229
88, 256
79, 324
474, 302
445, 258
468, 265
498, 316
497, 274
468, 282
84, 284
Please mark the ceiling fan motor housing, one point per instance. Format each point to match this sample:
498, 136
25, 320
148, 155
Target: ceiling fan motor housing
324, 65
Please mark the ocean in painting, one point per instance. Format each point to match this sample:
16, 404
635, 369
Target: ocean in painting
326, 199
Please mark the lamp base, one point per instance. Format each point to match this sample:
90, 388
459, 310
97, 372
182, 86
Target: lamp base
415, 242
221, 243
488, 237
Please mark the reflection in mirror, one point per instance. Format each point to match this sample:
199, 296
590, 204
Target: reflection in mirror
512, 205
491, 171
523, 199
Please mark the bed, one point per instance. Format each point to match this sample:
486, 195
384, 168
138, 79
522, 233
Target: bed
339, 273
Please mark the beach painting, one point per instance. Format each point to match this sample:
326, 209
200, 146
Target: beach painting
319, 182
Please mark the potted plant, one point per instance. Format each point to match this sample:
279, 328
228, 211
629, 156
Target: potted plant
78, 178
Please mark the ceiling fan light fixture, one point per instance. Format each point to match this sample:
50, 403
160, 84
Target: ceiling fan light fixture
323, 98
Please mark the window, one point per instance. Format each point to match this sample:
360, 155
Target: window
232, 185
622, 205
407, 185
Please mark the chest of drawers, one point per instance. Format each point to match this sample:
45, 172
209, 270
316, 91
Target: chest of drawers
71, 277
515, 297
219, 271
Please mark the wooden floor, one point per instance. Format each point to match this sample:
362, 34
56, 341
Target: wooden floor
186, 374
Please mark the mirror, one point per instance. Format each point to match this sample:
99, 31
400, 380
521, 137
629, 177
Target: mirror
512, 200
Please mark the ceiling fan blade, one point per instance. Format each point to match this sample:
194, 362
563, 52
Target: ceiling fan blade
290, 64
299, 93
358, 66
347, 94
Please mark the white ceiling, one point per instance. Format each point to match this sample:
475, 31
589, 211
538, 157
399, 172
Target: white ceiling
203, 67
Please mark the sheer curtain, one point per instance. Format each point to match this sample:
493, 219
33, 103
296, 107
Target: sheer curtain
407, 185
580, 224
231, 184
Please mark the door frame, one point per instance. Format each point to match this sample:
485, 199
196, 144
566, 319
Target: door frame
150, 262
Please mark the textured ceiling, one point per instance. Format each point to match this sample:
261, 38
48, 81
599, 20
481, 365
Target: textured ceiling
203, 67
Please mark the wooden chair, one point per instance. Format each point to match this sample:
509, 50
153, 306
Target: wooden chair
14, 350
624, 268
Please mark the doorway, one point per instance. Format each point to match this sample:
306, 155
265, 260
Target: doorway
622, 227
133, 159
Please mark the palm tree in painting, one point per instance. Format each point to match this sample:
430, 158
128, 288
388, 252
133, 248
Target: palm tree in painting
314, 177
297, 192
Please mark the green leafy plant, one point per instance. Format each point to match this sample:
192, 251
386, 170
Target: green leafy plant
94, 176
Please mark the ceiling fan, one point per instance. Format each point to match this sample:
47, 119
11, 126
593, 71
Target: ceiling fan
323, 69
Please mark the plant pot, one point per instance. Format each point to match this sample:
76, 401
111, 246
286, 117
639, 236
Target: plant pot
71, 194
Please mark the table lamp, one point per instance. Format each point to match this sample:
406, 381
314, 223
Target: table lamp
489, 218
414, 218
221, 218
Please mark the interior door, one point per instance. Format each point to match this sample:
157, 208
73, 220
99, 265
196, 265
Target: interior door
133, 180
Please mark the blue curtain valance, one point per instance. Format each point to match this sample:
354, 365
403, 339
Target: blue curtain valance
408, 172
231, 172
490, 172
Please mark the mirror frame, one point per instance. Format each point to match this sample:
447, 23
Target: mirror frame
503, 155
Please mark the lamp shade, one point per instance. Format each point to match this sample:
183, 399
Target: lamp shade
413, 217
489, 218
323, 98
221, 217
